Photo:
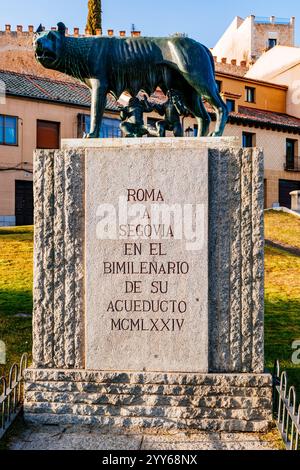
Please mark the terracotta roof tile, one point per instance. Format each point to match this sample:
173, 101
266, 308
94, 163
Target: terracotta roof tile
30, 86
266, 118
76, 94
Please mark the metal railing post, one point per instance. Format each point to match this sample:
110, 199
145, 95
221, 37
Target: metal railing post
288, 422
11, 399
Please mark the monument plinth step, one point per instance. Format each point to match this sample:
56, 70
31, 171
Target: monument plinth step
207, 402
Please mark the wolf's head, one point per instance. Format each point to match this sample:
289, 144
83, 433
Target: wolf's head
49, 45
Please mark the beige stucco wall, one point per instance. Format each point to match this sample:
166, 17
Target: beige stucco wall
236, 41
29, 112
274, 145
291, 78
281, 65
248, 40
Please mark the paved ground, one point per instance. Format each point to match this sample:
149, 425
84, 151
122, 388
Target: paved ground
58, 438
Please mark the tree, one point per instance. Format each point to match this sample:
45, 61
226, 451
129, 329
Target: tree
94, 20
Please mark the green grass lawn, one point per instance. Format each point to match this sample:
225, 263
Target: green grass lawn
283, 228
16, 246
282, 310
282, 292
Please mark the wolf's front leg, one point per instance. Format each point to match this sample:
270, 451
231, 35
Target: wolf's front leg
98, 95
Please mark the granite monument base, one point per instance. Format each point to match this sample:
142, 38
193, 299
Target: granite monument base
153, 401
143, 322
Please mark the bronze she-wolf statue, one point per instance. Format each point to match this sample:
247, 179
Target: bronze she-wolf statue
114, 65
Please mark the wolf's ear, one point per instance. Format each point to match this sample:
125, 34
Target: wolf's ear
40, 29
61, 28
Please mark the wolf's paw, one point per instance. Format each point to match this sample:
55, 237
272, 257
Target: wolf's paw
91, 135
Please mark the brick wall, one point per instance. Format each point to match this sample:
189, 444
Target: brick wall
17, 54
262, 33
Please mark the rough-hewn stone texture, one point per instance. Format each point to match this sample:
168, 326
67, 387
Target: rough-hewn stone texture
217, 402
235, 253
58, 320
58, 390
236, 260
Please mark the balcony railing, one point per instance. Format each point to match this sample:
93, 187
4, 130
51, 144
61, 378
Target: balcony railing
292, 165
272, 20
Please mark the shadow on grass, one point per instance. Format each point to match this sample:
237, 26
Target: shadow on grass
13, 302
282, 328
16, 332
16, 230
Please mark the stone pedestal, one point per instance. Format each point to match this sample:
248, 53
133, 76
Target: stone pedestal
148, 286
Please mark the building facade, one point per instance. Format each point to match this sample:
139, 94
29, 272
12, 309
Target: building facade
38, 110
247, 39
37, 113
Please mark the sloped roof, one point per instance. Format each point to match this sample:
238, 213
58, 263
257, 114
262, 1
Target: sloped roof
266, 119
30, 86
75, 94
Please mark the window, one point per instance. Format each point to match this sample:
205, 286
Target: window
250, 94
48, 135
248, 139
110, 127
230, 105
290, 153
219, 85
272, 43
8, 130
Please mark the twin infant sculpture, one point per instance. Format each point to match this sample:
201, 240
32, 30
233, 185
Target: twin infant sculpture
132, 116
182, 68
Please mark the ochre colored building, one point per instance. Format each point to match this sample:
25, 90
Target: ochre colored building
42, 108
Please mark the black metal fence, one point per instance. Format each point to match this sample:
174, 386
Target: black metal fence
12, 394
285, 410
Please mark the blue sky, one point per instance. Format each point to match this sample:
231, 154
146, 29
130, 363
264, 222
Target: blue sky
202, 20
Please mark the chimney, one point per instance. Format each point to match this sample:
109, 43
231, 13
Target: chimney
8, 28
122, 34
110, 32
19, 28
233, 62
224, 60
99, 32
243, 63
135, 34
31, 28
76, 32
272, 19
87, 32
